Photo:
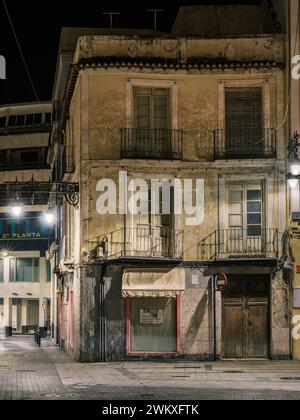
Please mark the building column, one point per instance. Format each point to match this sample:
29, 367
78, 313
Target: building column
8, 317
24, 317
42, 316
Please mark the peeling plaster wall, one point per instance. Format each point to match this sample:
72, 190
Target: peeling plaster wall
280, 316
99, 110
181, 49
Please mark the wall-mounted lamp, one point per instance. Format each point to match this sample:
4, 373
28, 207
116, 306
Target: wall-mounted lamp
17, 208
294, 161
49, 217
293, 182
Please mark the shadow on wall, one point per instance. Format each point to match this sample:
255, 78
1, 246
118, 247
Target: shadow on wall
198, 317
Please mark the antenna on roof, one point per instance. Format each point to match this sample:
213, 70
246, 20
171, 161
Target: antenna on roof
155, 12
111, 15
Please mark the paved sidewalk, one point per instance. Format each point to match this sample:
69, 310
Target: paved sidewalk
27, 372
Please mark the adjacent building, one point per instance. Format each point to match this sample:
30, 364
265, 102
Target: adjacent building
25, 278
187, 109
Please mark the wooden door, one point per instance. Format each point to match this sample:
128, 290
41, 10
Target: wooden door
245, 329
233, 327
257, 328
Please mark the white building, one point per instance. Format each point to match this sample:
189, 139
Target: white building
24, 272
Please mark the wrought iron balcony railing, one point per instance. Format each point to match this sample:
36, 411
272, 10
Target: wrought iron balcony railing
245, 143
27, 129
23, 159
146, 242
252, 243
151, 144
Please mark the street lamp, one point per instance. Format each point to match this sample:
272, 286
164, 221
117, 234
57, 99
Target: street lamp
17, 208
293, 183
294, 162
49, 217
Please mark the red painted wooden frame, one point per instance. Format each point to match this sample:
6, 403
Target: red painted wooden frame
72, 336
128, 332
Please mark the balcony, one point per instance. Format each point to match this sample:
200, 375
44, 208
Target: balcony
23, 159
140, 242
240, 244
152, 144
243, 143
29, 129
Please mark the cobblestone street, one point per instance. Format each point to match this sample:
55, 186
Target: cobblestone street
27, 372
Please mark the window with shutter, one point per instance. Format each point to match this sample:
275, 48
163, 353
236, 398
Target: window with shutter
245, 218
152, 121
244, 120
152, 233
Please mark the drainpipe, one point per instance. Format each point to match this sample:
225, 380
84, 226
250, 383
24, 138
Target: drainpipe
102, 316
214, 310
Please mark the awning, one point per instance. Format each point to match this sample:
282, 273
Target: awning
167, 284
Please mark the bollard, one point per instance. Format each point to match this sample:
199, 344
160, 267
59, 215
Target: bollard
37, 338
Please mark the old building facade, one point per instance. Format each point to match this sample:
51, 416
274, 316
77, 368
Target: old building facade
186, 108
290, 18
25, 279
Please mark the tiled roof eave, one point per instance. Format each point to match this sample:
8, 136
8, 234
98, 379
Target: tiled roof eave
156, 65
173, 65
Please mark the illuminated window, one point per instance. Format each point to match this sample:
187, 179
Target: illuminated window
24, 270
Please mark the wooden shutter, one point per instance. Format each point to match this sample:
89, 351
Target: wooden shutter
244, 118
152, 108
243, 108
143, 108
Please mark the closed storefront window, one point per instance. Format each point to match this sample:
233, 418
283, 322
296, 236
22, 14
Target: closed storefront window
153, 325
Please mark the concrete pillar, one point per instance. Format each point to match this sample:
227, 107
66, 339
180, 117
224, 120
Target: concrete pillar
42, 320
8, 317
24, 316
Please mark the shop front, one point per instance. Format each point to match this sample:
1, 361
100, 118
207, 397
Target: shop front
153, 305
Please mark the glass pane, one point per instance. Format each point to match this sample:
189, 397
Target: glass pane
235, 195
143, 112
254, 195
235, 220
235, 208
36, 270
37, 118
253, 207
12, 270
143, 101
48, 268
29, 119
254, 231
254, 219
20, 119
153, 325
161, 101
24, 270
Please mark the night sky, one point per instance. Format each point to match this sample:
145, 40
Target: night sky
38, 24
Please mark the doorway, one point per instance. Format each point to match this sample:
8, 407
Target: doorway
246, 318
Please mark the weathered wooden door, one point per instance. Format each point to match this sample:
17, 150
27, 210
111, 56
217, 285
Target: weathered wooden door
245, 329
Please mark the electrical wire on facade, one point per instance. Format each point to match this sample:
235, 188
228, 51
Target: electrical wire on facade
20, 51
